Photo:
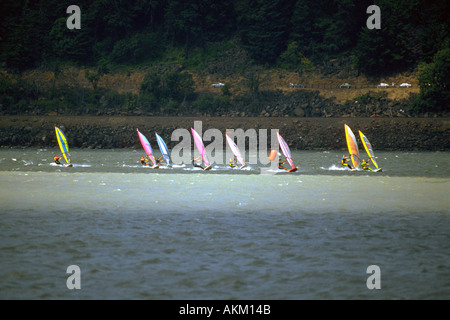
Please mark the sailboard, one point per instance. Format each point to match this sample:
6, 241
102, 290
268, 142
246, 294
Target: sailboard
235, 150
64, 146
164, 150
352, 147
147, 147
368, 146
201, 148
287, 153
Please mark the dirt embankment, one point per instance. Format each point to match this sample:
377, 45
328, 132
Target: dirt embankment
301, 133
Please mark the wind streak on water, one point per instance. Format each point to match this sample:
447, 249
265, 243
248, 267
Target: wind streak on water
121, 193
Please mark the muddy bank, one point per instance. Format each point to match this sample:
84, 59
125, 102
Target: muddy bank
301, 133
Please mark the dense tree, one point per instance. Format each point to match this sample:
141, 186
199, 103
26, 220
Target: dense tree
324, 28
192, 23
294, 35
433, 27
159, 89
394, 46
294, 59
435, 84
20, 50
264, 28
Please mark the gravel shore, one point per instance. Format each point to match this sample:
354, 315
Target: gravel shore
303, 133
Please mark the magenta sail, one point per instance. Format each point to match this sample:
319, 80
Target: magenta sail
147, 147
200, 147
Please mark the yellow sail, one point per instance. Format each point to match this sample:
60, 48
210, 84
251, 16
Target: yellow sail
63, 145
352, 146
368, 148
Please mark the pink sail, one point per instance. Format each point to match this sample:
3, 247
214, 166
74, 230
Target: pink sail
235, 150
200, 147
285, 149
146, 145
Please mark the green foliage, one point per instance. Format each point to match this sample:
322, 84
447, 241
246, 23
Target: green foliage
193, 23
69, 44
293, 35
137, 48
19, 48
93, 78
324, 28
433, 32
134, 32
226, 89
434, 84
17, 96
294, 59
204, 103
158, 90
388, 50
209, 103
370, 97
202, 56
264, 28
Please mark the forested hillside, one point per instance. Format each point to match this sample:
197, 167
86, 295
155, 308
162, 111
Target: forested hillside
174, 46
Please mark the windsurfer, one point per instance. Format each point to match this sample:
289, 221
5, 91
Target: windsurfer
364, 165
281, 163
56, 159
158, 161
344, 162
195, 164
233, 162
143, 161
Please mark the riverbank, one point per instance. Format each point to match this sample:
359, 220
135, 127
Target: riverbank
302, 133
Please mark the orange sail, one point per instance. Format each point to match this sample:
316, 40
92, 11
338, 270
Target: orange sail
352, 147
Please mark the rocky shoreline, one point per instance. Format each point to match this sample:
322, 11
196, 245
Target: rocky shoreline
301, 133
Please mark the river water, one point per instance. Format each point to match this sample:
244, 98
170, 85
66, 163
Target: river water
182, 233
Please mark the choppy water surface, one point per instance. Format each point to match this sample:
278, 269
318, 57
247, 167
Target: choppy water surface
181, 233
